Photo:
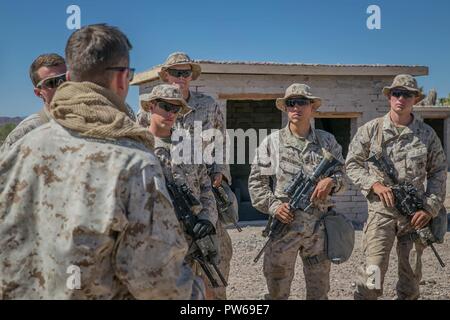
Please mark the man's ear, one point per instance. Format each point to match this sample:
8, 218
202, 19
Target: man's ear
122, 78
68, 75
37, 92
147, 106
151, 106
418, 99
119, 83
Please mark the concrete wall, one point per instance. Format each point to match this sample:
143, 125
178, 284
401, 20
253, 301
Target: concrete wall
339, 93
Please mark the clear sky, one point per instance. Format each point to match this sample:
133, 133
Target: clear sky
413, 32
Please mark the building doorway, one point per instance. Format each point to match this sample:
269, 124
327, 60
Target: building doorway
339, 127
438, 126
249, 114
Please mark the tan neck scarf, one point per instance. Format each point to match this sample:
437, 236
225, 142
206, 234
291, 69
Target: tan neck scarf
96, 112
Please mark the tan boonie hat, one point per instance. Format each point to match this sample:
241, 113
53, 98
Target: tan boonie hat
298, 90
404, 81
177, 59
166, 92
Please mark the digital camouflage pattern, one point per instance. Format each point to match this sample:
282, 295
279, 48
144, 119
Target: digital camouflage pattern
100, 205
143, 117
280, 156
176, 59
225, 255
404, 81
25, 126
195, 177
298, 90
417, 156
304, 237
208, 115
165, 92
207, 112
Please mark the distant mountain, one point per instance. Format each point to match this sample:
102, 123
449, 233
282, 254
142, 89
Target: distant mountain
5, 120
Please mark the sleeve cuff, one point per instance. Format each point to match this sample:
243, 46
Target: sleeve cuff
274, 206
367, 188
432, 206
223, 170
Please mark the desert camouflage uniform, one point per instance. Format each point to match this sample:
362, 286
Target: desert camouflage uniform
143, 118
280, 156
96, 204
207, 112
417, 154
32, 122
28, 124
196, 178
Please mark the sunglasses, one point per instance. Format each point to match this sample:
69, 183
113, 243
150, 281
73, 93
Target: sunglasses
179, 73
121, 69
168, 107
406, 94
52, 82
290, 103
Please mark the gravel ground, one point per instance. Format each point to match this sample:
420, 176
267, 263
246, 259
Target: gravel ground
247, 280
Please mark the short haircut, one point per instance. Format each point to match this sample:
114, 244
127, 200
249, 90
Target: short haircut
92, 49
44, 60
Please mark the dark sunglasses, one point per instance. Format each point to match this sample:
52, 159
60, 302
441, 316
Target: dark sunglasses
405, 93
179, 73
290, 103
121, 69
168, 107
52, 82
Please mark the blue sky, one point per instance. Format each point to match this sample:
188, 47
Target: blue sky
413, 32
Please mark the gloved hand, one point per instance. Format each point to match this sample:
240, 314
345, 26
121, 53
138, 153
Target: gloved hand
203, 228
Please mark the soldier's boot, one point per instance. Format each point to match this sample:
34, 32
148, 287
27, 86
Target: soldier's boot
317, 278
409, 269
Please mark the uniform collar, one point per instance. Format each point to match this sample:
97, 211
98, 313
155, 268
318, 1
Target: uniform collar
291, 139
191, 102
390, 130
191, 97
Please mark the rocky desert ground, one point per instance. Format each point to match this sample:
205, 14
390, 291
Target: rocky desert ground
247, 280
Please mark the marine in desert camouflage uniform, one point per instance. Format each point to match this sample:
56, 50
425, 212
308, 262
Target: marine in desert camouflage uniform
165, 103
279, 158
92, 197
181, 70
47, 72
416, 153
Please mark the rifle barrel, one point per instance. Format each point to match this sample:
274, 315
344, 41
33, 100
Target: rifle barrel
208, 273
258, 256
438, 257
219, 273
